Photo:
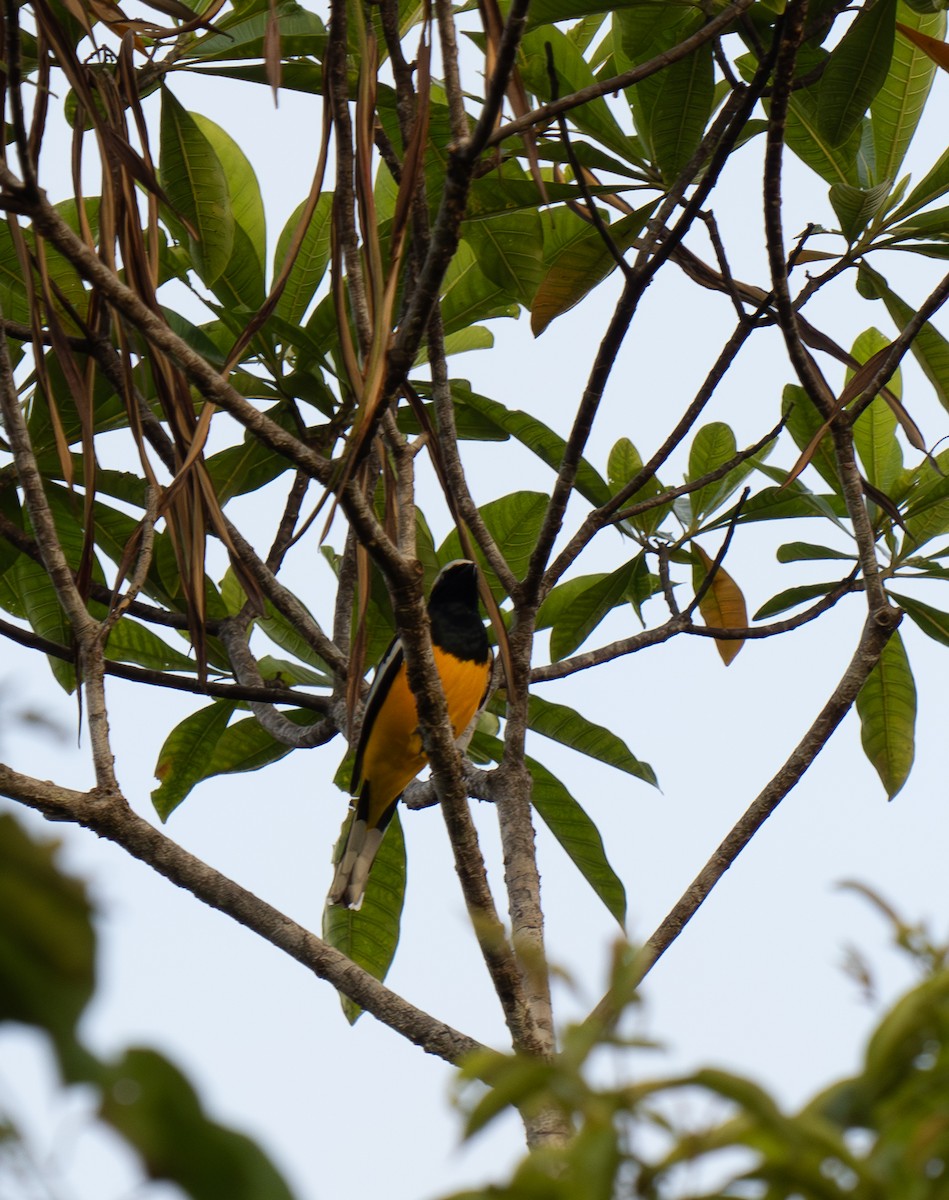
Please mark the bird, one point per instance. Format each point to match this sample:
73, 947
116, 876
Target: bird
389, 752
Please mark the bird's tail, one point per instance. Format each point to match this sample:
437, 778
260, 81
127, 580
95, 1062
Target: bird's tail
362, 846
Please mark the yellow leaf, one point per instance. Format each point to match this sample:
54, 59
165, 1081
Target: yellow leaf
723, 605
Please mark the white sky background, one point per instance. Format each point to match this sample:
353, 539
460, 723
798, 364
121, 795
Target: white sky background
754, 984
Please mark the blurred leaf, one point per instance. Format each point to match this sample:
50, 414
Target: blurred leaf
154, 1107
856, 71
886, 706
722, 606
185, 754
47, 943
369, 935
803, 422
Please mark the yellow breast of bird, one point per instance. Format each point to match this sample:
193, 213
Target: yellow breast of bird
393, 755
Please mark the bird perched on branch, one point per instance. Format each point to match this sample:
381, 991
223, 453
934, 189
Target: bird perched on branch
389, 753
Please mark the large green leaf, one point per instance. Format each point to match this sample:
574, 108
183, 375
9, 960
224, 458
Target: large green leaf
929, 347
243, 30
310, 264
874, 431
569, 824
154, 1107
244, 468
932, 621
713, 445
514, 522
509, 250
468, 295
588, 608
570, 728
573, 73
185, 754
899, 104
536, 436
246, 201
47, 943
622, 466
369, 935
576, 260
887, 709
196, 185
39, 602
855, 72
673, 107
792, 598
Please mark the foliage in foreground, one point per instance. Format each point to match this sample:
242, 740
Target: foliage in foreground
882, 1134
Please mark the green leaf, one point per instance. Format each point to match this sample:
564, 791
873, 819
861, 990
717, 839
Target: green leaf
673, 107
587, 610
468, 295
185, 754
536, 436
856, 207
40, 605
576, 260
245, 267
244, 468
154, 1107
247, 746
132, 642
514, 522
932, 621
242, 33
792, 598
899, 104
803, 135
570, 728
712, 446
578, 835
569, 824
935, 183
874, 430
196, 185
623, 465
803, 422
311, 262
808, 552
573, 73
369, 935
929, 347
886, 706
856, 71
509, 250
47, 943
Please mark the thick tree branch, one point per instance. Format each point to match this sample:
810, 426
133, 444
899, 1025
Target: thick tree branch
112, 818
